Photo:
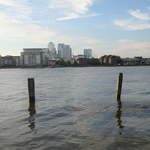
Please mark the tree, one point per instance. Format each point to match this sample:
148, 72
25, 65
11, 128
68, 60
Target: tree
61, 62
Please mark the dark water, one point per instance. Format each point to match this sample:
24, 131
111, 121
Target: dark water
76, 109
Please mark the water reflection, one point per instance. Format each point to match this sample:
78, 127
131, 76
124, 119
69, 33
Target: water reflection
118, 116
31, 120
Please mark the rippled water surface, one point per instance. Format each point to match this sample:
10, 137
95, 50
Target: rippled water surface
76, 109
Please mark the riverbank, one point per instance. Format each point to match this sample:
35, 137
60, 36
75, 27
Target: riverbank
72, 66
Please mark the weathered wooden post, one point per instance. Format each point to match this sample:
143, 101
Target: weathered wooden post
31, 90
119, 89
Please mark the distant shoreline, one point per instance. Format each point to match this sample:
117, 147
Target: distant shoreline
80, 66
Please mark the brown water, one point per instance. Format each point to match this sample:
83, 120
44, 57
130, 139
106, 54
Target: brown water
76, 109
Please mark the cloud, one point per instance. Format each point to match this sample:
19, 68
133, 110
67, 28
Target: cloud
78, 6
14, 29
76, 16
16, 5
138, 14
132, 24
69, 16
139, 21
72, 9
131, 44
131, 48
9, 3
16, 24
19, 9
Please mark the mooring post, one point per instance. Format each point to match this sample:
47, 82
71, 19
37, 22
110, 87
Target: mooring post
31, 90
120, 79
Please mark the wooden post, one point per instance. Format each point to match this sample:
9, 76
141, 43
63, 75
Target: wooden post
31, 90
120, 79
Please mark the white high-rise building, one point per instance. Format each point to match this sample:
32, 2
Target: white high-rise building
64, 51
52, 50
88, 53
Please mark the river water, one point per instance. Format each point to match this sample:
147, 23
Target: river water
76, 109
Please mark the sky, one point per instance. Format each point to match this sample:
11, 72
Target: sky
118, 27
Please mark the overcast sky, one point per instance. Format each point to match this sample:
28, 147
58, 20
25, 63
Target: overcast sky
120, 27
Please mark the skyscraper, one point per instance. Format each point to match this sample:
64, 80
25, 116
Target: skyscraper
88, 53
52, 50
64, 51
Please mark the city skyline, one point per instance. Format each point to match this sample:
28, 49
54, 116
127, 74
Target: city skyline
59, 50
106, 26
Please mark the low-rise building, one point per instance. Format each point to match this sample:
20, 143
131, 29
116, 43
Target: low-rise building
17, 60
128, 61
101, 59
33, 57
78, 57
9, 61
88, 61
139, 60
52, 63
114, 60
147, 61
110, 60
105, 60
1, 61
82, 61
134, 61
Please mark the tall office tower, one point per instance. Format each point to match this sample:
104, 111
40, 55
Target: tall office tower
52, 50
88, 53
64, 51
60, 49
